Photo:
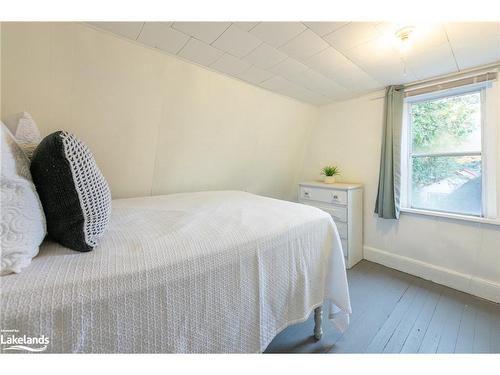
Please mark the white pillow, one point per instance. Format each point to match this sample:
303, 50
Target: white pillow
25, 131
22, 223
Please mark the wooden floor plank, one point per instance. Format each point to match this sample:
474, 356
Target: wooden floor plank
396, 312
444, 323
481, 343
391, 323
398, 338
417, 332
357, 338
465, 338
449, 335
375, 286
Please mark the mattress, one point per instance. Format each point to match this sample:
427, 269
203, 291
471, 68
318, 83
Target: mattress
207, 272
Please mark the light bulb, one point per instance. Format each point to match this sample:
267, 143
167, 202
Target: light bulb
403, 39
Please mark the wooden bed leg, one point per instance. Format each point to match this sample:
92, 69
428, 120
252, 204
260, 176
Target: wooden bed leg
318, 317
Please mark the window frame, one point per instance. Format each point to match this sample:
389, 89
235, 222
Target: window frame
488, 214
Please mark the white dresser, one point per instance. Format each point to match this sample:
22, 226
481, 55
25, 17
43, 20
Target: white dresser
344, 202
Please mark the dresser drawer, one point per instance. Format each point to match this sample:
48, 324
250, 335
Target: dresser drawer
339, 197
342, 228
338, 213
323, 195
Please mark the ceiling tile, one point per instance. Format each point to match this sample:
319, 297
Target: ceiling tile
289, 68
466, 33
236, 42
200, 52
389, 71
329, 62
428, 36
246, 26
320, 84
430, 63
337, 67
129, 30
207, 32
324, 28
160, 35
352, 35
255, 75
282, 86
277, 33
304, 45
481, 52
370, 52
356, 80
265, 56
230, 65
277, 83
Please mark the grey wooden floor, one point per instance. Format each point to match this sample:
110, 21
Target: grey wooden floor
394, 312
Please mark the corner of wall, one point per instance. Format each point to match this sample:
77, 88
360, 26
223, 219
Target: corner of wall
299, 173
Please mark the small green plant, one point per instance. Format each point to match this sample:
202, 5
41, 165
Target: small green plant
330, 170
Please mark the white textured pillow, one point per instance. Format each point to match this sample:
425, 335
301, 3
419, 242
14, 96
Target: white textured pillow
25, 131
22, 219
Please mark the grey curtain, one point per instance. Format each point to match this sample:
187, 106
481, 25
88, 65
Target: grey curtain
388, 197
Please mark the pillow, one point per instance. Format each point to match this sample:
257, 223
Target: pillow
22, 219
74, 194
25, 131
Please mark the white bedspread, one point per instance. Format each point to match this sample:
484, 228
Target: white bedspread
195, 272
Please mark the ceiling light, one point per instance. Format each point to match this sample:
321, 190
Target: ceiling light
404, 38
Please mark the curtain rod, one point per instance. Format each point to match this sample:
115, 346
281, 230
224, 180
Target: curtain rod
446, 78
451, 76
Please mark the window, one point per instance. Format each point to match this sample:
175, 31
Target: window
444, 161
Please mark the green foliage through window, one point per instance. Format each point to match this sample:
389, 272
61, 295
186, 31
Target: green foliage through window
444, 122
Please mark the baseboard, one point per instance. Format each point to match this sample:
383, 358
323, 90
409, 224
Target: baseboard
476, 286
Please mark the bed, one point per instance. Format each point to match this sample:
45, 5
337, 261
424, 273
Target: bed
206, 272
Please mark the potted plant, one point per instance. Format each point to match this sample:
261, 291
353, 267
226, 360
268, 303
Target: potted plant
330, 172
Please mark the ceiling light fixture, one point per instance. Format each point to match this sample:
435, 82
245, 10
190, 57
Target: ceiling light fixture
403, 38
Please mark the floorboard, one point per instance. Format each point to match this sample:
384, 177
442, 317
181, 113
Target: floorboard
394, 312
449, 335
385, 333
401, 332
465, 338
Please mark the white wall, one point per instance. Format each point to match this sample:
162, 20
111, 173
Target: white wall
463, 255
156, 124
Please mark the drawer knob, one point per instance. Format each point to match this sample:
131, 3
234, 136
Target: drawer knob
335, 197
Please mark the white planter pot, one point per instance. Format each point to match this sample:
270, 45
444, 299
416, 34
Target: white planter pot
329, 180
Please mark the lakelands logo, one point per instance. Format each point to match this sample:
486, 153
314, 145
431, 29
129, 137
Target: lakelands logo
11, 340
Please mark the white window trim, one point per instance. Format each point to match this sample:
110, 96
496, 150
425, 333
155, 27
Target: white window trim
489, 95
490, 150
474, 219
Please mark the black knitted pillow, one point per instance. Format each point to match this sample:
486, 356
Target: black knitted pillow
74, 194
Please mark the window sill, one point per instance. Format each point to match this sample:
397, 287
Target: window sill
451, 216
